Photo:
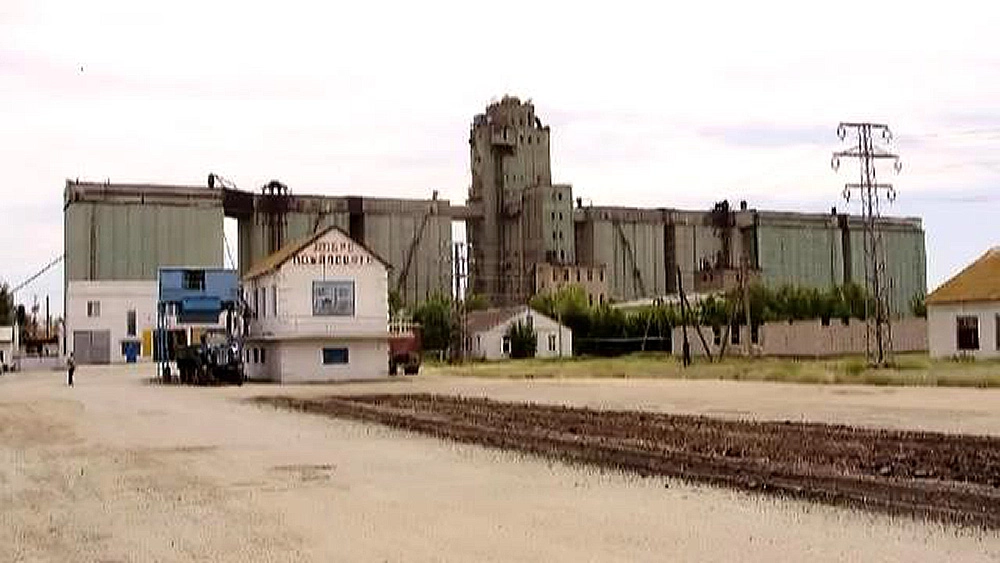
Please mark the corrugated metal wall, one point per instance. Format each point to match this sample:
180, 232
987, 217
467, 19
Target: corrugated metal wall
807, 255
391, 236
130, 242
810, 255
646, 243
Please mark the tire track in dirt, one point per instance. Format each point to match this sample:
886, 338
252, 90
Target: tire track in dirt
952, 478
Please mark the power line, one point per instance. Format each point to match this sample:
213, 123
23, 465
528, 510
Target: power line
878, 333
38, 274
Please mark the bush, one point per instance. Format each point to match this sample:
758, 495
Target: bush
523, 340
434, 316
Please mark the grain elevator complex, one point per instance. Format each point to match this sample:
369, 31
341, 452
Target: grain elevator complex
526, 235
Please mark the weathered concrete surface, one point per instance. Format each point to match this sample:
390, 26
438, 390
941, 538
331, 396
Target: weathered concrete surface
115, 469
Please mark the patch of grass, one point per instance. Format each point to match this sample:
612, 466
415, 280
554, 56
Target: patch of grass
909, 370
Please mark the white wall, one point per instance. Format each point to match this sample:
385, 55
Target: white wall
942, 330
294, 290
267, 370
116, 298
295, 338
299, 361
489, 344
6, 346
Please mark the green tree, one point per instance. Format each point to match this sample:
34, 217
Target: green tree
476, 302
607, 322
6, 305
435, 318
569, 305
918, 305
523, 340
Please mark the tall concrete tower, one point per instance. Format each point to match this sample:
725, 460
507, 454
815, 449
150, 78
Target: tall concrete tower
525, 219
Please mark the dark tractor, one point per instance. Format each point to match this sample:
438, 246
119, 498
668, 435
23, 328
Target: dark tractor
217, 360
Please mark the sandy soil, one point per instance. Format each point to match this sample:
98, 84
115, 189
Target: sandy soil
119, 470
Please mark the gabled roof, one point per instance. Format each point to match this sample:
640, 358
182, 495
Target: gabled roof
980, 281
285, 253
479, 321
486, 319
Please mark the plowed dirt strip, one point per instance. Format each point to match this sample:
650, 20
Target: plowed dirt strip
945, 477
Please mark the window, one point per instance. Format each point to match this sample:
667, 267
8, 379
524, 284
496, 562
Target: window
505, 345
591, 299
263, 302
263, 355
560, 196
479, 342
590, 275
602, 275
560, 235
566, 274
601, 298
554, 236
578, 275
555, 275
93, 308
332, 356
562, 255
256, 302
553, 215
968, 332
333, 298
560, 216
256, 356
734, 333
194, 280
274, 300
130, 322
552, 343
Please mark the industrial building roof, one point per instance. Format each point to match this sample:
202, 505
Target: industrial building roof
274, 261
980, 281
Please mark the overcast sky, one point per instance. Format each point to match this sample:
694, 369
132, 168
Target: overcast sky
650, 104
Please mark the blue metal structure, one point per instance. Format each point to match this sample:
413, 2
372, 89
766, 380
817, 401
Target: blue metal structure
193, 296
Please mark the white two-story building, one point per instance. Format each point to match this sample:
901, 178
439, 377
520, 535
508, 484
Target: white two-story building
321, 312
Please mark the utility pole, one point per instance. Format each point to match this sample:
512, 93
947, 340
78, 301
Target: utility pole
745, 287
460, 308
878, 324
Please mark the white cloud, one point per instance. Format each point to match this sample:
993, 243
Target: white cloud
660, 104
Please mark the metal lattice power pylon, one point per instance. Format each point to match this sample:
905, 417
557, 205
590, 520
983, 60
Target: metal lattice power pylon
878, 313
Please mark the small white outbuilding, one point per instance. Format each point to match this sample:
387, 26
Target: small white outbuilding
6, 348
487, 333
963, 314
320, 312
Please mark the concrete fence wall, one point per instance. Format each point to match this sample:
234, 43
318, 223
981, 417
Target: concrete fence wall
808, 338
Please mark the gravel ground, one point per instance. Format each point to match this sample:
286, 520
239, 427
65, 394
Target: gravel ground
116, 469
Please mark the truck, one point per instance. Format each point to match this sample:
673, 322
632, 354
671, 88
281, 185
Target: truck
405, 348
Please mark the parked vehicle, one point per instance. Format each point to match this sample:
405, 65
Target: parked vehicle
405, 348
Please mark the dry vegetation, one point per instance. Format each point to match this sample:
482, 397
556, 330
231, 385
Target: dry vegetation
911, 369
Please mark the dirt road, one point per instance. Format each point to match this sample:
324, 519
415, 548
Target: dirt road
119, 470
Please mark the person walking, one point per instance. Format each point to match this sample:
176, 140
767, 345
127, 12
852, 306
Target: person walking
70, 368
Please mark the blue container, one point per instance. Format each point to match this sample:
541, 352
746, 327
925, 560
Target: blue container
131, 352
